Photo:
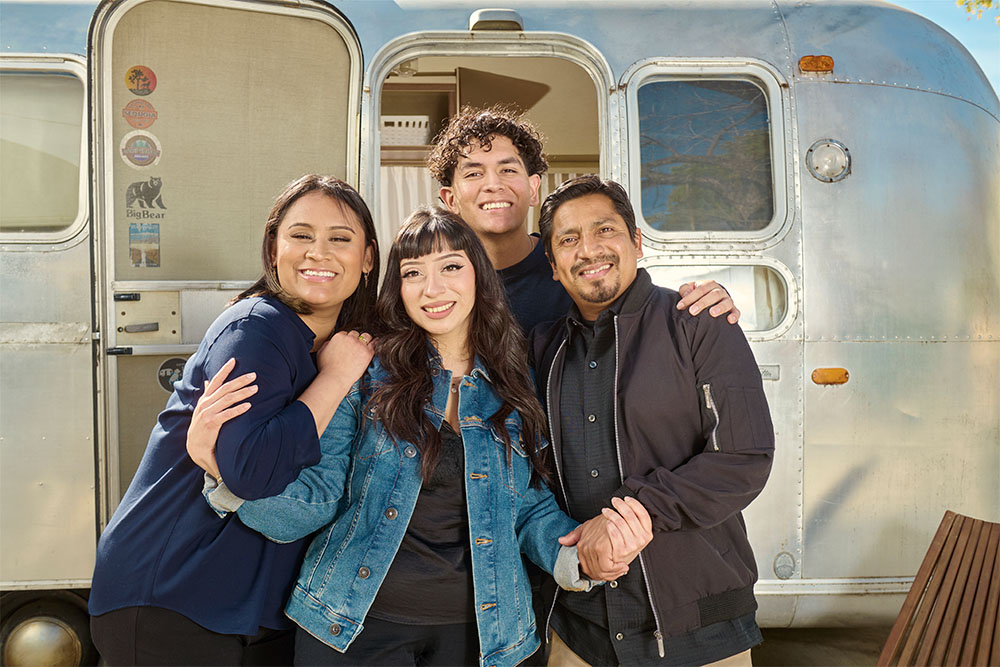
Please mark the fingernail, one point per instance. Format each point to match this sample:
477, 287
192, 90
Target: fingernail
695, 310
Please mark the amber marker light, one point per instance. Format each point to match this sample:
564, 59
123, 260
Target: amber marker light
820, 64
830, 375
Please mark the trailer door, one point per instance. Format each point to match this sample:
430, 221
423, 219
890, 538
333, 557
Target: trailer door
201, 113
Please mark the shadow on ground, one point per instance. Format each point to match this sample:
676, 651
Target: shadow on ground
813, 647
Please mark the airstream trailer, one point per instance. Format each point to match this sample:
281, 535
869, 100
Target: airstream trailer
834, 164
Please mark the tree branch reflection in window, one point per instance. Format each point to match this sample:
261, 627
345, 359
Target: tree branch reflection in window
705, 156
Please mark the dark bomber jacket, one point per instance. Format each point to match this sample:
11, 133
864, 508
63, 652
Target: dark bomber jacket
694, 441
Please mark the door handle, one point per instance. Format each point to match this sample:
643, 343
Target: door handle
139, 328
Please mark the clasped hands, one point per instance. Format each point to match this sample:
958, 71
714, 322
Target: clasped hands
611, 540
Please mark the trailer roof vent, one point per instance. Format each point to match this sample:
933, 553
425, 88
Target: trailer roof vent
495, 19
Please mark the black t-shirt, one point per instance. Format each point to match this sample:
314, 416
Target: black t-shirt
533, 296
430, 580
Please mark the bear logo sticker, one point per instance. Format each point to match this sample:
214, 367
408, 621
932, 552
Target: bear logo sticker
140, 114
140, 149
140, 80
146, 193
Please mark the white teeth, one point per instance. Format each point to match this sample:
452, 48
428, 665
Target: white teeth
496, 204
439, 309
319, 274
590, 272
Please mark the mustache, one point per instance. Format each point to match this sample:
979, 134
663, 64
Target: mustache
610, 258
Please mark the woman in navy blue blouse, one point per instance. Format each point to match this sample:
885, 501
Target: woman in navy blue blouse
173, 584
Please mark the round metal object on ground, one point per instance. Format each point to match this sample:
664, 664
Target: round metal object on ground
42, 640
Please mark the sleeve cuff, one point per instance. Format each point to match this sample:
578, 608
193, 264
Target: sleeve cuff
567, 572
622, 492
219, 497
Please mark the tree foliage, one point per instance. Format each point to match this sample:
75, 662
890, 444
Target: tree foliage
977, 7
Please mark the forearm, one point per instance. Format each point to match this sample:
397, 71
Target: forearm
540, 523
703, 492
323, 396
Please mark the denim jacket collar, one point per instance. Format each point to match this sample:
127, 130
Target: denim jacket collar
435, 406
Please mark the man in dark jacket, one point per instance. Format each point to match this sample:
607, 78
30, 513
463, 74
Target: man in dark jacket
648, 401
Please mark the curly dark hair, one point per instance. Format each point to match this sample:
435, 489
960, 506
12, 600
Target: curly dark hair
494, 336
480, 126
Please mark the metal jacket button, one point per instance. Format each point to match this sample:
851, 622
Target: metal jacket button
410, 451
364, 573
334, 629
619, 636
613, 584
592, 418
594, 472
593, 364
391, 513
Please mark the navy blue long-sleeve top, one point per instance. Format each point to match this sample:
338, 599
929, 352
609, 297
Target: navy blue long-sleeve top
164, 546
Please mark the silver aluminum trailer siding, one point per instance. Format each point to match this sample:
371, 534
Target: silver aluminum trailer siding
887, 267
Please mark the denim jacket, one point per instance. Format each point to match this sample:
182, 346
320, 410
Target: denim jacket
367, 486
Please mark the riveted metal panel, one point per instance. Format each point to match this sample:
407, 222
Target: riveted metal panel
908, 246
888, 452
46, 463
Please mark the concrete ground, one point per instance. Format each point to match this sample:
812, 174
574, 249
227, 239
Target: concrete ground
815, 647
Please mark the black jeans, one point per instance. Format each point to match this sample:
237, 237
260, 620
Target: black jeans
387, 643
157, 636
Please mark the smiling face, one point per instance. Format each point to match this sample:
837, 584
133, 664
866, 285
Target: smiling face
492, 190
594, 255
439, 292
319, 253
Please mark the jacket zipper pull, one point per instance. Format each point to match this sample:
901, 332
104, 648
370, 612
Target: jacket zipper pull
659, 642
710, 404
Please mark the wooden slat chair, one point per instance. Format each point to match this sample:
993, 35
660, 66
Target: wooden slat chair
950, 616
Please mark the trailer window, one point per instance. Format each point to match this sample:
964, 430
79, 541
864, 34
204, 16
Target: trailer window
705, 156
40, 148
758, 291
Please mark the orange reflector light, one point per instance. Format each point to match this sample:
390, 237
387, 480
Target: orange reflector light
830, 375
816, 64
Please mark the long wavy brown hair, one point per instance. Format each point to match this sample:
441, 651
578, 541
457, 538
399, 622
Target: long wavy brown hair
409, 357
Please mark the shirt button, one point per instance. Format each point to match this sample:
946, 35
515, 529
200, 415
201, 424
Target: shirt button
364, 573
593, 364
391, 513
592, 418
334, 629
613, 584
619, 636
410, 451
594, 473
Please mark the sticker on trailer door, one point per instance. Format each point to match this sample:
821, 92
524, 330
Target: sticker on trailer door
140, 149
144, 244
140, 114
142, 196
171, 371
140, 80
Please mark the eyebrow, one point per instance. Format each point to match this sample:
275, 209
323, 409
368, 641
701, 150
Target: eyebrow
331, 227
505, 161
419, 260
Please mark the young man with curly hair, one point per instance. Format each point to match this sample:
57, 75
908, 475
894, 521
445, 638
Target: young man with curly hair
489, 163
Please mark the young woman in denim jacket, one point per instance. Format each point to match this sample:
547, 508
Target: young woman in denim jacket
429, 486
